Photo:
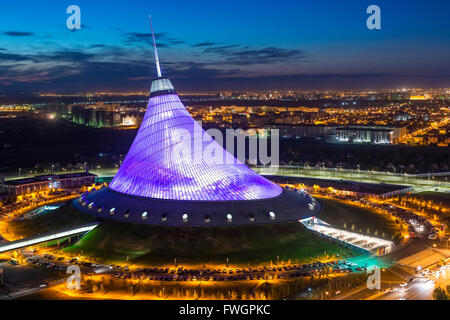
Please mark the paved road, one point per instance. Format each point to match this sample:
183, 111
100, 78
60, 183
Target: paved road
418, 290
22, 280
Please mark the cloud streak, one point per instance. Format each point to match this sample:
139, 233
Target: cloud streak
204, 44
237, 55
104, 67
18, 34
162, 39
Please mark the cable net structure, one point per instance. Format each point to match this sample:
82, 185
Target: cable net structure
172, 157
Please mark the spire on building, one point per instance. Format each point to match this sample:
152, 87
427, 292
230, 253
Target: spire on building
158, 68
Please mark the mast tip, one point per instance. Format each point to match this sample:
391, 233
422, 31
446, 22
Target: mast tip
158, 68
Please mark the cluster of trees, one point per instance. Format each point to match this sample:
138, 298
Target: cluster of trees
440, 294
328, 288
423, 205
369, 231
238, 291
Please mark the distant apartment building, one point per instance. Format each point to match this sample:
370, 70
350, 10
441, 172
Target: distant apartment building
105, 116
298, 132
294, 117
370, 134
402, 116
399, 133
397, 96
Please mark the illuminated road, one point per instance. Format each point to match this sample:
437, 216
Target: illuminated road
360, 176
419, 183
418, 290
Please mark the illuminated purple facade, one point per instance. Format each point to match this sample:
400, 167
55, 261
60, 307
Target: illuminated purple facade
153, 169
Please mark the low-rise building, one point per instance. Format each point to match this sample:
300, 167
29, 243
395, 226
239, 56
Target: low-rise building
304, 131
370, 134
47, 182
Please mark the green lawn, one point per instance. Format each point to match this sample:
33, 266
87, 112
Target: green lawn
437, 197
338, 213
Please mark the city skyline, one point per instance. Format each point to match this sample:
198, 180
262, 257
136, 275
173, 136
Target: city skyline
244, 179
209, 46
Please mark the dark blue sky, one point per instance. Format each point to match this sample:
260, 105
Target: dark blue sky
212, 45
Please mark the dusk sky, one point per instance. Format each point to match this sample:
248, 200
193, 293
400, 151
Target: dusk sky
212, 45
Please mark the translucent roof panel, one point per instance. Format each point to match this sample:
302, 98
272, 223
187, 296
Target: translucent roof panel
154, 168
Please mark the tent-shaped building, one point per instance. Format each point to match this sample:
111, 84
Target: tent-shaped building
167, 178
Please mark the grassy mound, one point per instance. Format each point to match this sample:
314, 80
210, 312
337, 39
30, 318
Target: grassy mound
338, 213
64, 217
438, 197
115, 241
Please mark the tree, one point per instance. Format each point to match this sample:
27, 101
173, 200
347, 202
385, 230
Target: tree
439, 294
